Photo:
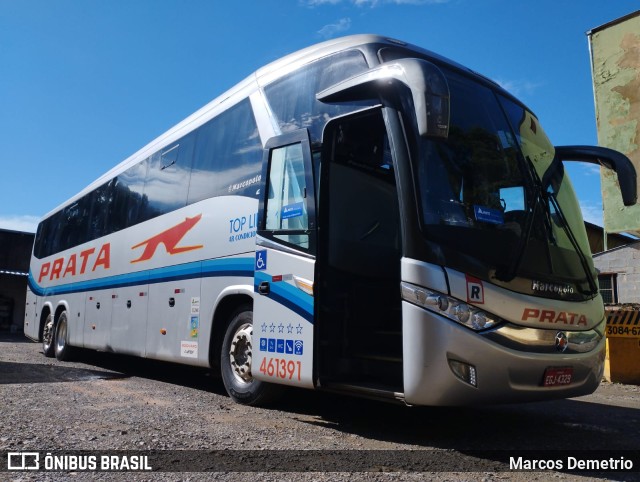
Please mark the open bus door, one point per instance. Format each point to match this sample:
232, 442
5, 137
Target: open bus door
283, 311
359, 325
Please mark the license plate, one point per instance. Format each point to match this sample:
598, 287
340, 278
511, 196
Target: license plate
556, 376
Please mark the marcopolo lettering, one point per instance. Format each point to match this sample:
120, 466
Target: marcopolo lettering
558, 289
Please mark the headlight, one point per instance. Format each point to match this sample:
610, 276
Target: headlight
444, 305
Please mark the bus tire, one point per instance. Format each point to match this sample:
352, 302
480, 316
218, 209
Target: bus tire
63, 350
48, 348
235, 362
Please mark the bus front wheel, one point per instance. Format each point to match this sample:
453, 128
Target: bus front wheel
235, 362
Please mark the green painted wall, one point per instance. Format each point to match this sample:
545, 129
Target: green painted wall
615, 51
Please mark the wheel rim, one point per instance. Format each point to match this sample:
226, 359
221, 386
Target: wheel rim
61, 335
47, 332
240, 354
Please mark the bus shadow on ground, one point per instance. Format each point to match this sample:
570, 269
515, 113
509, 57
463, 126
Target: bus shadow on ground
11, 373
485, 438
131, 366
113, 366
570, 424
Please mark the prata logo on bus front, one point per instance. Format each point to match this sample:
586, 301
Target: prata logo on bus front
552, 316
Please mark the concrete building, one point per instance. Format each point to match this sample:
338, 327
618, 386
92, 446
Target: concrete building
15, 252
619, 276
615, 66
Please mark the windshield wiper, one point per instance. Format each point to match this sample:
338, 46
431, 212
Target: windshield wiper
553, 176
541, 198
511, 271
538, 201
593, 287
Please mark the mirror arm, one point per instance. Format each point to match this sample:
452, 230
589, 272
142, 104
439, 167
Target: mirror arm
610, 159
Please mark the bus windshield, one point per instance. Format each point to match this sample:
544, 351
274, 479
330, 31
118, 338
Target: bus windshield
496, 204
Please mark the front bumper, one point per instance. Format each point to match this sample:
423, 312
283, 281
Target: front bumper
505, 374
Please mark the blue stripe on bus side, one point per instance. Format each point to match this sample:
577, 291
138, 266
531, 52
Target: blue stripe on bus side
205, 269
287, 295
281, 292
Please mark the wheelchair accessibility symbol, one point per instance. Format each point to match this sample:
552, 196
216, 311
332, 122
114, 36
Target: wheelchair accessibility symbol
261, 260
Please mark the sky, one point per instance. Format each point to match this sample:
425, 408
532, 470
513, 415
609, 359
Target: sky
86, 83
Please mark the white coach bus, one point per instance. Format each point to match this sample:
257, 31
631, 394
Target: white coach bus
362, 216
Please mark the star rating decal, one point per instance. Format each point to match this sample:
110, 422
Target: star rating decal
271, 328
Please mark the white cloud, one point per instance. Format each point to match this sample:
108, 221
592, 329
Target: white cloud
592, 169
316, 3
373, 3
332, 29
519, 87
19, 223
592, 212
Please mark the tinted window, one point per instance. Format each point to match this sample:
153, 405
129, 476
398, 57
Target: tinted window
228, 156
129, 202
293, 98
167, 179
46, 235
73, 226
101, 201
286, 206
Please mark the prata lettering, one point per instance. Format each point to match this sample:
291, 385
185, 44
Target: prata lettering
552, 316
76, 263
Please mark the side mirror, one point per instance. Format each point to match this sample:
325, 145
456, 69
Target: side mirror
610, 159
428, 86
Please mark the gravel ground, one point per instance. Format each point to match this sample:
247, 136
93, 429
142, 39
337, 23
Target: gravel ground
101, 402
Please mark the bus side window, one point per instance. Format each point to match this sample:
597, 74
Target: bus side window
227, 156
293, 97
167, 180
286, 208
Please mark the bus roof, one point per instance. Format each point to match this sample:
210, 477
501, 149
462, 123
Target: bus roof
261, 77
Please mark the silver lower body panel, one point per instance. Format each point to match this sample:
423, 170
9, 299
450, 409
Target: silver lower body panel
504, 375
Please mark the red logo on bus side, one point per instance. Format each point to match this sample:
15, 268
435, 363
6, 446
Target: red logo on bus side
170, 238
77, 263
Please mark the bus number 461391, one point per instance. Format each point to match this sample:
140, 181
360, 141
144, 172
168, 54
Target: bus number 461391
281, 368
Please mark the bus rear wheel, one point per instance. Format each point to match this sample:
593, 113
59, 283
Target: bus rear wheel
63, 350
48, 347
236, 362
